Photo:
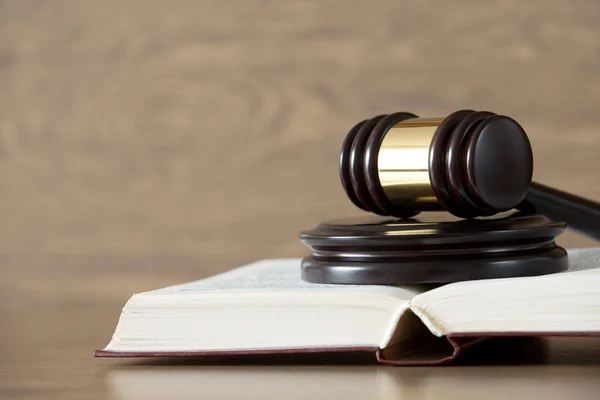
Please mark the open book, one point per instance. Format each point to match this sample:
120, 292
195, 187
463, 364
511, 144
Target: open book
265, 307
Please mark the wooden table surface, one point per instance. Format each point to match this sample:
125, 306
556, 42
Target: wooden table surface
145, 143
53, 320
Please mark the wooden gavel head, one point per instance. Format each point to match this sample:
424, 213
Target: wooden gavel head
471, 164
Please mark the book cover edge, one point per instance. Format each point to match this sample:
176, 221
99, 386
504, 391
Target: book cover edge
460, 342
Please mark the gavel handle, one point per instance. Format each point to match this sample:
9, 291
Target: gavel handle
581, 215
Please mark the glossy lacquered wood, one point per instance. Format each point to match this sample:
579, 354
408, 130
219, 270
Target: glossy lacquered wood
478, 163
580, 214
389, 251
475, 164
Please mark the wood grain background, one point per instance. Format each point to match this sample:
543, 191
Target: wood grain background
211, 129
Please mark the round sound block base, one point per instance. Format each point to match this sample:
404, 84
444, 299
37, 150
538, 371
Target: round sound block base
387, 251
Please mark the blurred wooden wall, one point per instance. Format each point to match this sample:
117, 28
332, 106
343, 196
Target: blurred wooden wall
211, 129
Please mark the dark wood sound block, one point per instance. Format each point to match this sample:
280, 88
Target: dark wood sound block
433, 248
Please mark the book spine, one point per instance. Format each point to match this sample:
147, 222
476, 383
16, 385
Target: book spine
459, 345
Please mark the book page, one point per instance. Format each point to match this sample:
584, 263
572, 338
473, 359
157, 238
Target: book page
274, 275
583, 259
561, 302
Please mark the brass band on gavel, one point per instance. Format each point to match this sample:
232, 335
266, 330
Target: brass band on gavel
403, 164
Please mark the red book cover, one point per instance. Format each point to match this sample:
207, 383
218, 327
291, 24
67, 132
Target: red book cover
455, 345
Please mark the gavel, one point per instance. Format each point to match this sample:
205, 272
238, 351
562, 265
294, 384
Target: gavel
471, 164
475, 165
